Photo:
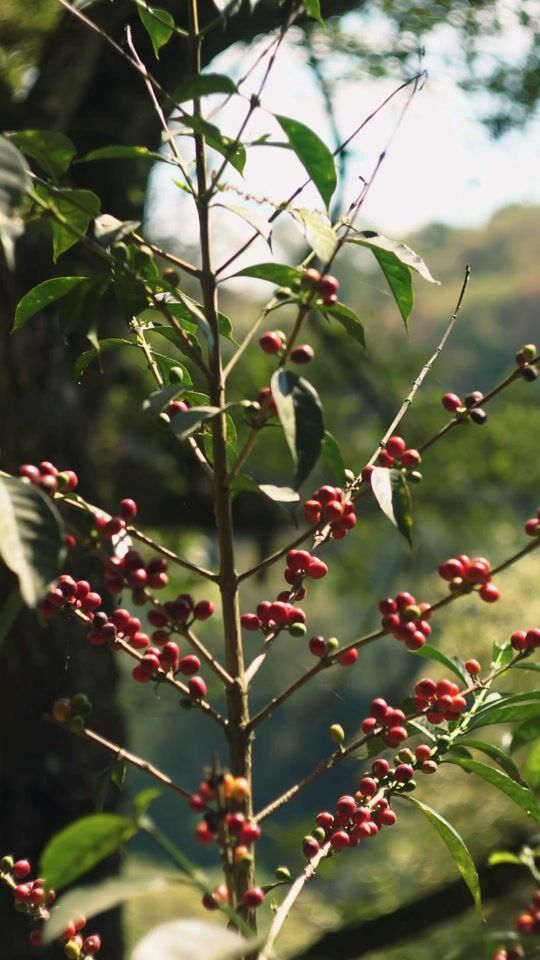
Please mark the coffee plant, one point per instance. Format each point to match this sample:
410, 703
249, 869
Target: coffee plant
173, 318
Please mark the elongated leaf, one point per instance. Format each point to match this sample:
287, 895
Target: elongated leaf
159, 399
396, 261
191, 940
203, 85
300, 412
504, 856
91, 900
78, 207
317, 231
429, 652
31, 537
348, 319
232, 150
51, 150
279, 494
185, 424
505, 762
41, 296
89, 356
108, 230
121, 152
456, 847
331, 454
262, 227
313, 8
528, 665
143, 800
392, 493
313, 154
532, 767
77, 848
278, 273
159, 24
520, 794
520, 706
14, 179
527, 732
8, 614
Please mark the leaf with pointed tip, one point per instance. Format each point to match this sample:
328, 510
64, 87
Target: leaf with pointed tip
143, 800
262, 227
78, 207
527, 732
348, 319
331, 454
505, 762
279, 494
318, 232
159, 24
190, 940
86, 358
396, 261
121, 152
108, 230
456, 847
75, 849
504, 856
429, 652
277, 273
31, 537
392, 493
313, 154
185, 424
203, 85
42, 296
519, 793
233, 151
300, 412
51, 150
313, 8
519, 706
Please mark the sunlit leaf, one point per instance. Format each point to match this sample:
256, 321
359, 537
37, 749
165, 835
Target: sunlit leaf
42, 296
31, 537
277, 273
203, 85
317, 231
121, 152
77, 848
51, 150
232, 150
520, 794
159, 25
348, 319
519, 706
429, 652
313, 8
504, 761
313, 154
185, 424
392, 493
78, 207
108, 230
300, 412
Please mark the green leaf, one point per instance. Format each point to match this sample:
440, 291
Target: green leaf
520, 794
313, 8
8, 614
277, 273
118, 772
121, 152
93, 899
532, 767
262, 227
392, 493
300, 412
51, 150
313, 154
41, 296
159, 24
31, 537
109, 230
500, 757
501, 655
331, 454
348, 319
528, 665
89, 356
14, 179
396, 261
203, 85
526, 733
159, 399
78, 207
233, 151
143, 800
520, 706
429, 652
79, 311
504, 856
77, 848
456, 847
318, 232
279, 494
185, 424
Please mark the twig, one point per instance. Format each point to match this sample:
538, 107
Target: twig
207, 656
294, 892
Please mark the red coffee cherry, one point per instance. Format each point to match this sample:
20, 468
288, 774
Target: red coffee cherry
368, 786
451, 402
317, 645
189, 665
250, 621
410, 459
128, 509
489, 593
92, 944
197, 688
253, 898
21, 868
303, 354
348, 657
422, 752
203, 610
340, 840
175, 407
395, 446
473, 667
385, 459
327, 288
316, 568
271, 343
310, 847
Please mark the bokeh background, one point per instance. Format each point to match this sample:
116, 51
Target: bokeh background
460, 185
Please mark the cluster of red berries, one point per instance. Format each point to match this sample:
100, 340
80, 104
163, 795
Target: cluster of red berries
33, 898
406, 619
528, 920
301, 563
68, 595
330, 505
279, 614
321, 648
464, 574
525, 639
49, 478
468, 407
326, 286
397, 454
532, 526
274, 343
108, 527
133, 572
525, 360
441, 699
387, 721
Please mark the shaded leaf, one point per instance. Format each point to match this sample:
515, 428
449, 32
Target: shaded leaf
317, 231
185, 424
203, 85
455, 846
41, 296
51, 150
31, 537
77, 848
121, 152
233, 151
520, 794
143, 800
532, 767
392, 493
78, 207
300, 412
159, 399
8, 614
520, 706
262, 227
348, 319
159, 24
279, 494
313, 154
278, 273
500, 757
108, 230
190, 940
526, 733
429, 652
89, 356
331, 454
118, 772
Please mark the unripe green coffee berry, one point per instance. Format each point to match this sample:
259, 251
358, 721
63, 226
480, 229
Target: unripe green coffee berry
529, 374
337, 733
76, 724
406, 755
349, 475
176, 375
410, 786
297, 629
319, 834
171, 276
72, 950
282, 873
412, 612
415, 476
442, 744
20, 907
81, 705
528, 352
6, 864
332, 644
250, 405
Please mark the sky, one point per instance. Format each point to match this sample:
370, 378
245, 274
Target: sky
441, 165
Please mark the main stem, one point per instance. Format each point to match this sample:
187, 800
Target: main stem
239, 876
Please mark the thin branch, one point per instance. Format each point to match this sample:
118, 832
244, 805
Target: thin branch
294, 892
249, 335
165, 255
207, 656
